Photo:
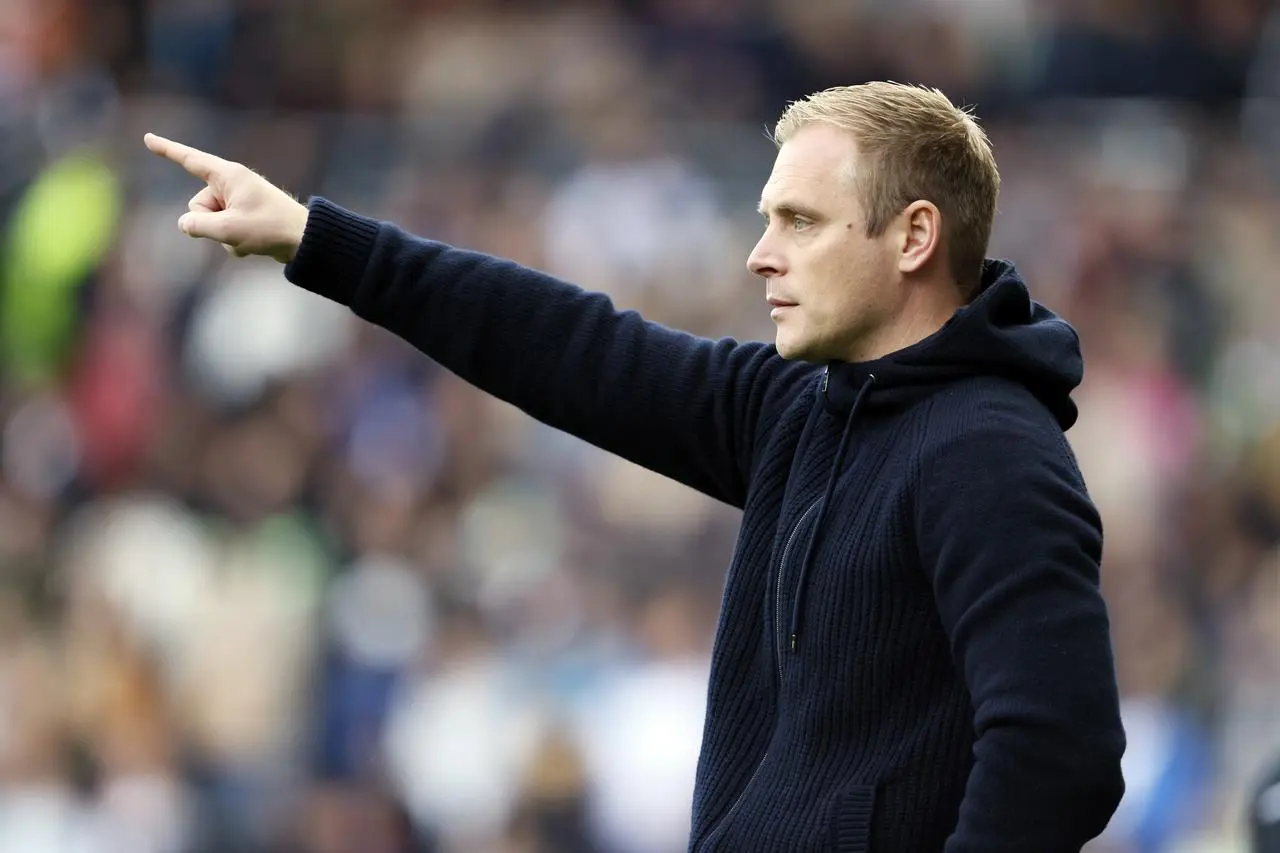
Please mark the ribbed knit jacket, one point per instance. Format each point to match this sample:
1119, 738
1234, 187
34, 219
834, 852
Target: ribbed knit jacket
913, 653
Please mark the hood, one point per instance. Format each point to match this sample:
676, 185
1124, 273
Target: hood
1002, 332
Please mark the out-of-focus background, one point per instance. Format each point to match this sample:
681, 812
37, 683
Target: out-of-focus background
273, 583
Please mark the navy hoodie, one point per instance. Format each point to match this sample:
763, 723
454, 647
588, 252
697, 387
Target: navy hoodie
912, 653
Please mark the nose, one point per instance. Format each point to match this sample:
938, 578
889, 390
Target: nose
765, 260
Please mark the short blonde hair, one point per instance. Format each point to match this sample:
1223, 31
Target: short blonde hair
916, 145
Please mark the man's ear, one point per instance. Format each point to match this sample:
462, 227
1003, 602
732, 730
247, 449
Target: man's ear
921, 235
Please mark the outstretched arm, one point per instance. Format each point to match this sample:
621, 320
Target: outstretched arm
686, 407
683, 406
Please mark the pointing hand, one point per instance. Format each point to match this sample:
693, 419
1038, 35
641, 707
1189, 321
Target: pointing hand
238, 207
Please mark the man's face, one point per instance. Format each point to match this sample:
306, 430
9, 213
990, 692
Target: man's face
832, 289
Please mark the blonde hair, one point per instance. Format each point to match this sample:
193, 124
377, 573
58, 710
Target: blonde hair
914, 145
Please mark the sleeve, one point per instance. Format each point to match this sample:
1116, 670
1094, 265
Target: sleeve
686, 407
1013, 546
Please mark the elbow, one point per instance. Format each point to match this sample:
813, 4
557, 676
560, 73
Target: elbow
1114, 775
1099, 777
1071, 765
1107, 781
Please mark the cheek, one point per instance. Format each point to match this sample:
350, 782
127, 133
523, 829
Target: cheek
854, 290
843, 277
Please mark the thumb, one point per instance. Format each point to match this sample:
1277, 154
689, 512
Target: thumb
211, 225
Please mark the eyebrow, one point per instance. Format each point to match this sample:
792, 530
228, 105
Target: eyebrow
790, 209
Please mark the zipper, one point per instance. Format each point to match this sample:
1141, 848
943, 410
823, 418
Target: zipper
777, 646
720, 824
777, 599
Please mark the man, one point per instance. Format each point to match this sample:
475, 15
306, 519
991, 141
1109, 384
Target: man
1264, 812
913, 653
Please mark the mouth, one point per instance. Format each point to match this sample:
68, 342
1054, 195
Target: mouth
779, 307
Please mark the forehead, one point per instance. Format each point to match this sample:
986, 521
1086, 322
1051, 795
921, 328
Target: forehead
816, 163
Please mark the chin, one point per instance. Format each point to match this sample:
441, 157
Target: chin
794, 349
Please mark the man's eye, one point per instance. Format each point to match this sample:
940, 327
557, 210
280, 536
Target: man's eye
799, 223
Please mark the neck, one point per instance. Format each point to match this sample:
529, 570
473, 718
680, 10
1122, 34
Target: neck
924, 311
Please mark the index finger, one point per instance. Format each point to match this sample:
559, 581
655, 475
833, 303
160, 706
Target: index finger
199, 163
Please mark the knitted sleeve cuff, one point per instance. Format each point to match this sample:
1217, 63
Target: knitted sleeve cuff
334, 252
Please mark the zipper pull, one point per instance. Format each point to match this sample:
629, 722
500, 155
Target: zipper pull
794, 638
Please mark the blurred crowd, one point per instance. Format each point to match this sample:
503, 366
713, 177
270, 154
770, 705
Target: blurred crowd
270, 582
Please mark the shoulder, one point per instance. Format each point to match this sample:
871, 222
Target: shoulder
785, 388
780, 396
993, 457
997, 429
992, 411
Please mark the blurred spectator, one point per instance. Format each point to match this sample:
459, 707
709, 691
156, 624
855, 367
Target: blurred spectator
1264, 813
642, 784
